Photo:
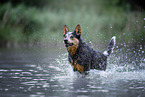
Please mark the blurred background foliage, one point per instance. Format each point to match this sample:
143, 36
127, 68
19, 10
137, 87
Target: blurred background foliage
33, 22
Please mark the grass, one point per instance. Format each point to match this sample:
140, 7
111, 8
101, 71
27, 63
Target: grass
29, 25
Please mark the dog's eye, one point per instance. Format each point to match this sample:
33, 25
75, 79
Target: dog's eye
72, 37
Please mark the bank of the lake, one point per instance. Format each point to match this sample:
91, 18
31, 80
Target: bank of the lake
22, 25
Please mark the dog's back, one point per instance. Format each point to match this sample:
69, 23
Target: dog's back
89, 58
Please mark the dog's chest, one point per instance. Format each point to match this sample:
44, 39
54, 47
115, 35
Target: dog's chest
73, 61
75, 65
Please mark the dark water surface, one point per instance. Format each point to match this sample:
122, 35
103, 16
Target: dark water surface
47, 73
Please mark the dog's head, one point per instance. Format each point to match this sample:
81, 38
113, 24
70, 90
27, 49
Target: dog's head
71, 39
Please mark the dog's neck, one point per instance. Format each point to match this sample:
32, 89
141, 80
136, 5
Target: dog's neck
72, 49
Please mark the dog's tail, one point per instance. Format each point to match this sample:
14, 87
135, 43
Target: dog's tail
110, 46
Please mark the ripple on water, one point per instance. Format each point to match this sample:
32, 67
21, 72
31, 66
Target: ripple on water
29, 83
16, 70
26, 73
105, 91
3, 70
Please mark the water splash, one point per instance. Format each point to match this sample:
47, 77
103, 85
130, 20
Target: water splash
118, 68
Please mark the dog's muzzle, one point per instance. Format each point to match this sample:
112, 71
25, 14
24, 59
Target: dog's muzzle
67, 44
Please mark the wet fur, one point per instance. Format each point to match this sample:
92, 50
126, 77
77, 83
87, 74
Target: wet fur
81, 57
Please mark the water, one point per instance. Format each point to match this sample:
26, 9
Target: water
47, 73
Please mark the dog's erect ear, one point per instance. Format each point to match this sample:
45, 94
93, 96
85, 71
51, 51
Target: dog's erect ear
65, 29
78, 29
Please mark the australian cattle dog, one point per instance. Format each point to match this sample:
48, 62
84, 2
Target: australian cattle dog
81, 57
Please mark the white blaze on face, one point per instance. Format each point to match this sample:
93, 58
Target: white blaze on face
68, 37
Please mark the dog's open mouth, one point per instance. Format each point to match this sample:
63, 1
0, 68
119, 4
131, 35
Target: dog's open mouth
68, 44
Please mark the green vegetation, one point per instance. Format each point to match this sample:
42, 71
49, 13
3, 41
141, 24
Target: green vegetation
22, 24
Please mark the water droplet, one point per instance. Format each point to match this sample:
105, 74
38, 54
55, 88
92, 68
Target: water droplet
141, 47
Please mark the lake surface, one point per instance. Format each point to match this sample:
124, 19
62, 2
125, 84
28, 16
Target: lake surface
47, 73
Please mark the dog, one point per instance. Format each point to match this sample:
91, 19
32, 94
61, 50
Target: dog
81, 57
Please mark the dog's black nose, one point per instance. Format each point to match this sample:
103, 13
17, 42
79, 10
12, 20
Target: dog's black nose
65, 41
